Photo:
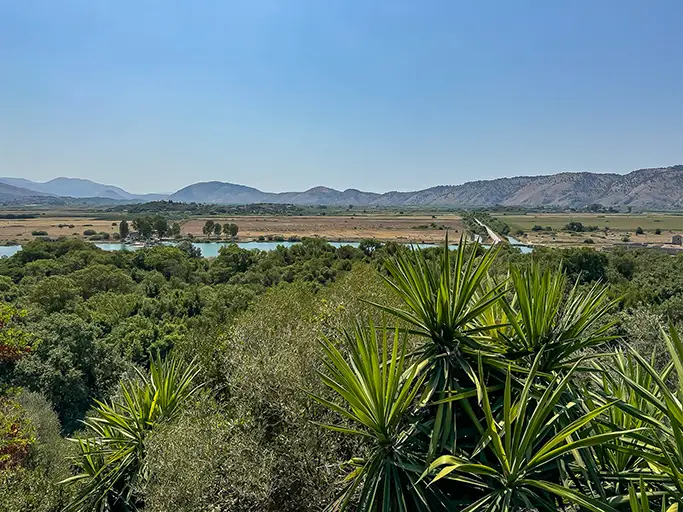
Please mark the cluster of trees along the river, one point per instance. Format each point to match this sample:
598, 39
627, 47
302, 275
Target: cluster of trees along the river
373, 378
156, 225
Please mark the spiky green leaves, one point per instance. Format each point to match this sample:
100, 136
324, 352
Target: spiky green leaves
524, 447
544, 316
112, 459
377, 387
443, 299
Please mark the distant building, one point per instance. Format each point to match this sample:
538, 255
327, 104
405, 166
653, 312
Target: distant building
133, 236
677, 239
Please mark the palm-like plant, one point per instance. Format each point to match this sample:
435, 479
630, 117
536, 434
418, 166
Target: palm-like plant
663, 451
487, 395
378, 389
443, 302
618, 462
112, 458
543, 318
523, 449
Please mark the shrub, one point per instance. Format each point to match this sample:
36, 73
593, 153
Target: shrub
574, 226
658, 231
112, 463
412, 410
39, 233
89, 232
34, 486
639, 231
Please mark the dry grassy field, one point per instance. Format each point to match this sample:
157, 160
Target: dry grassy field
403, 228
21, 229
382, 226
618, 226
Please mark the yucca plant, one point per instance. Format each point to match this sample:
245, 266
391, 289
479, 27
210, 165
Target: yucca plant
663, 450
641, 501
442, 303
377, 387
544, 317
524, 447
619, 463
112, 459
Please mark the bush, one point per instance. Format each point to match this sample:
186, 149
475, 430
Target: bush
537, 228
39, 233
578, 227
574, 226
658, 231
589, 241
639, 231
34, 486
264, 365
89, 232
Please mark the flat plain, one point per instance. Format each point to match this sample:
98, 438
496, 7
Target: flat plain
612, 227
430, 227
401, 228
347, 228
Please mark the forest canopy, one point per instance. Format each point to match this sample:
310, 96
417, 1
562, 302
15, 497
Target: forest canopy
372, 378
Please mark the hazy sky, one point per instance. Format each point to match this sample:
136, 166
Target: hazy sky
377, 95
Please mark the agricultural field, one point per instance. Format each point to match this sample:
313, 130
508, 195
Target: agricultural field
22, 230
612, 227
350, 227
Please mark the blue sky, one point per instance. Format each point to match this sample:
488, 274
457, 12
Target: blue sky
377, 95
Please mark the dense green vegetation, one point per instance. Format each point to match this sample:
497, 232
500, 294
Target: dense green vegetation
200, 209
463, 380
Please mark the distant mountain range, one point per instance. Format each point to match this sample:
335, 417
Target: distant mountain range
658, 188
70, 187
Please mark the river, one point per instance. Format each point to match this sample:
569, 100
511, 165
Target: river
210, 249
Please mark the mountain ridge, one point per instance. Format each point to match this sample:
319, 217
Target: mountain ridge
78, 188
650, 188
659, 188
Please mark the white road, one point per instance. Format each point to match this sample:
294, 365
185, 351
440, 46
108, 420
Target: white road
496, 239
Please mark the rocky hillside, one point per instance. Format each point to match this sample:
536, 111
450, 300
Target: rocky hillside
660, 188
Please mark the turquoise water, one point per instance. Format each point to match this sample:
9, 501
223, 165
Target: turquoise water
210, 249
9, 250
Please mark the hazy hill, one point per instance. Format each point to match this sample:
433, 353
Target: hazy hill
12, 192
78, 187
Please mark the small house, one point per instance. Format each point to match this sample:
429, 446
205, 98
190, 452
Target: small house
677, 239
